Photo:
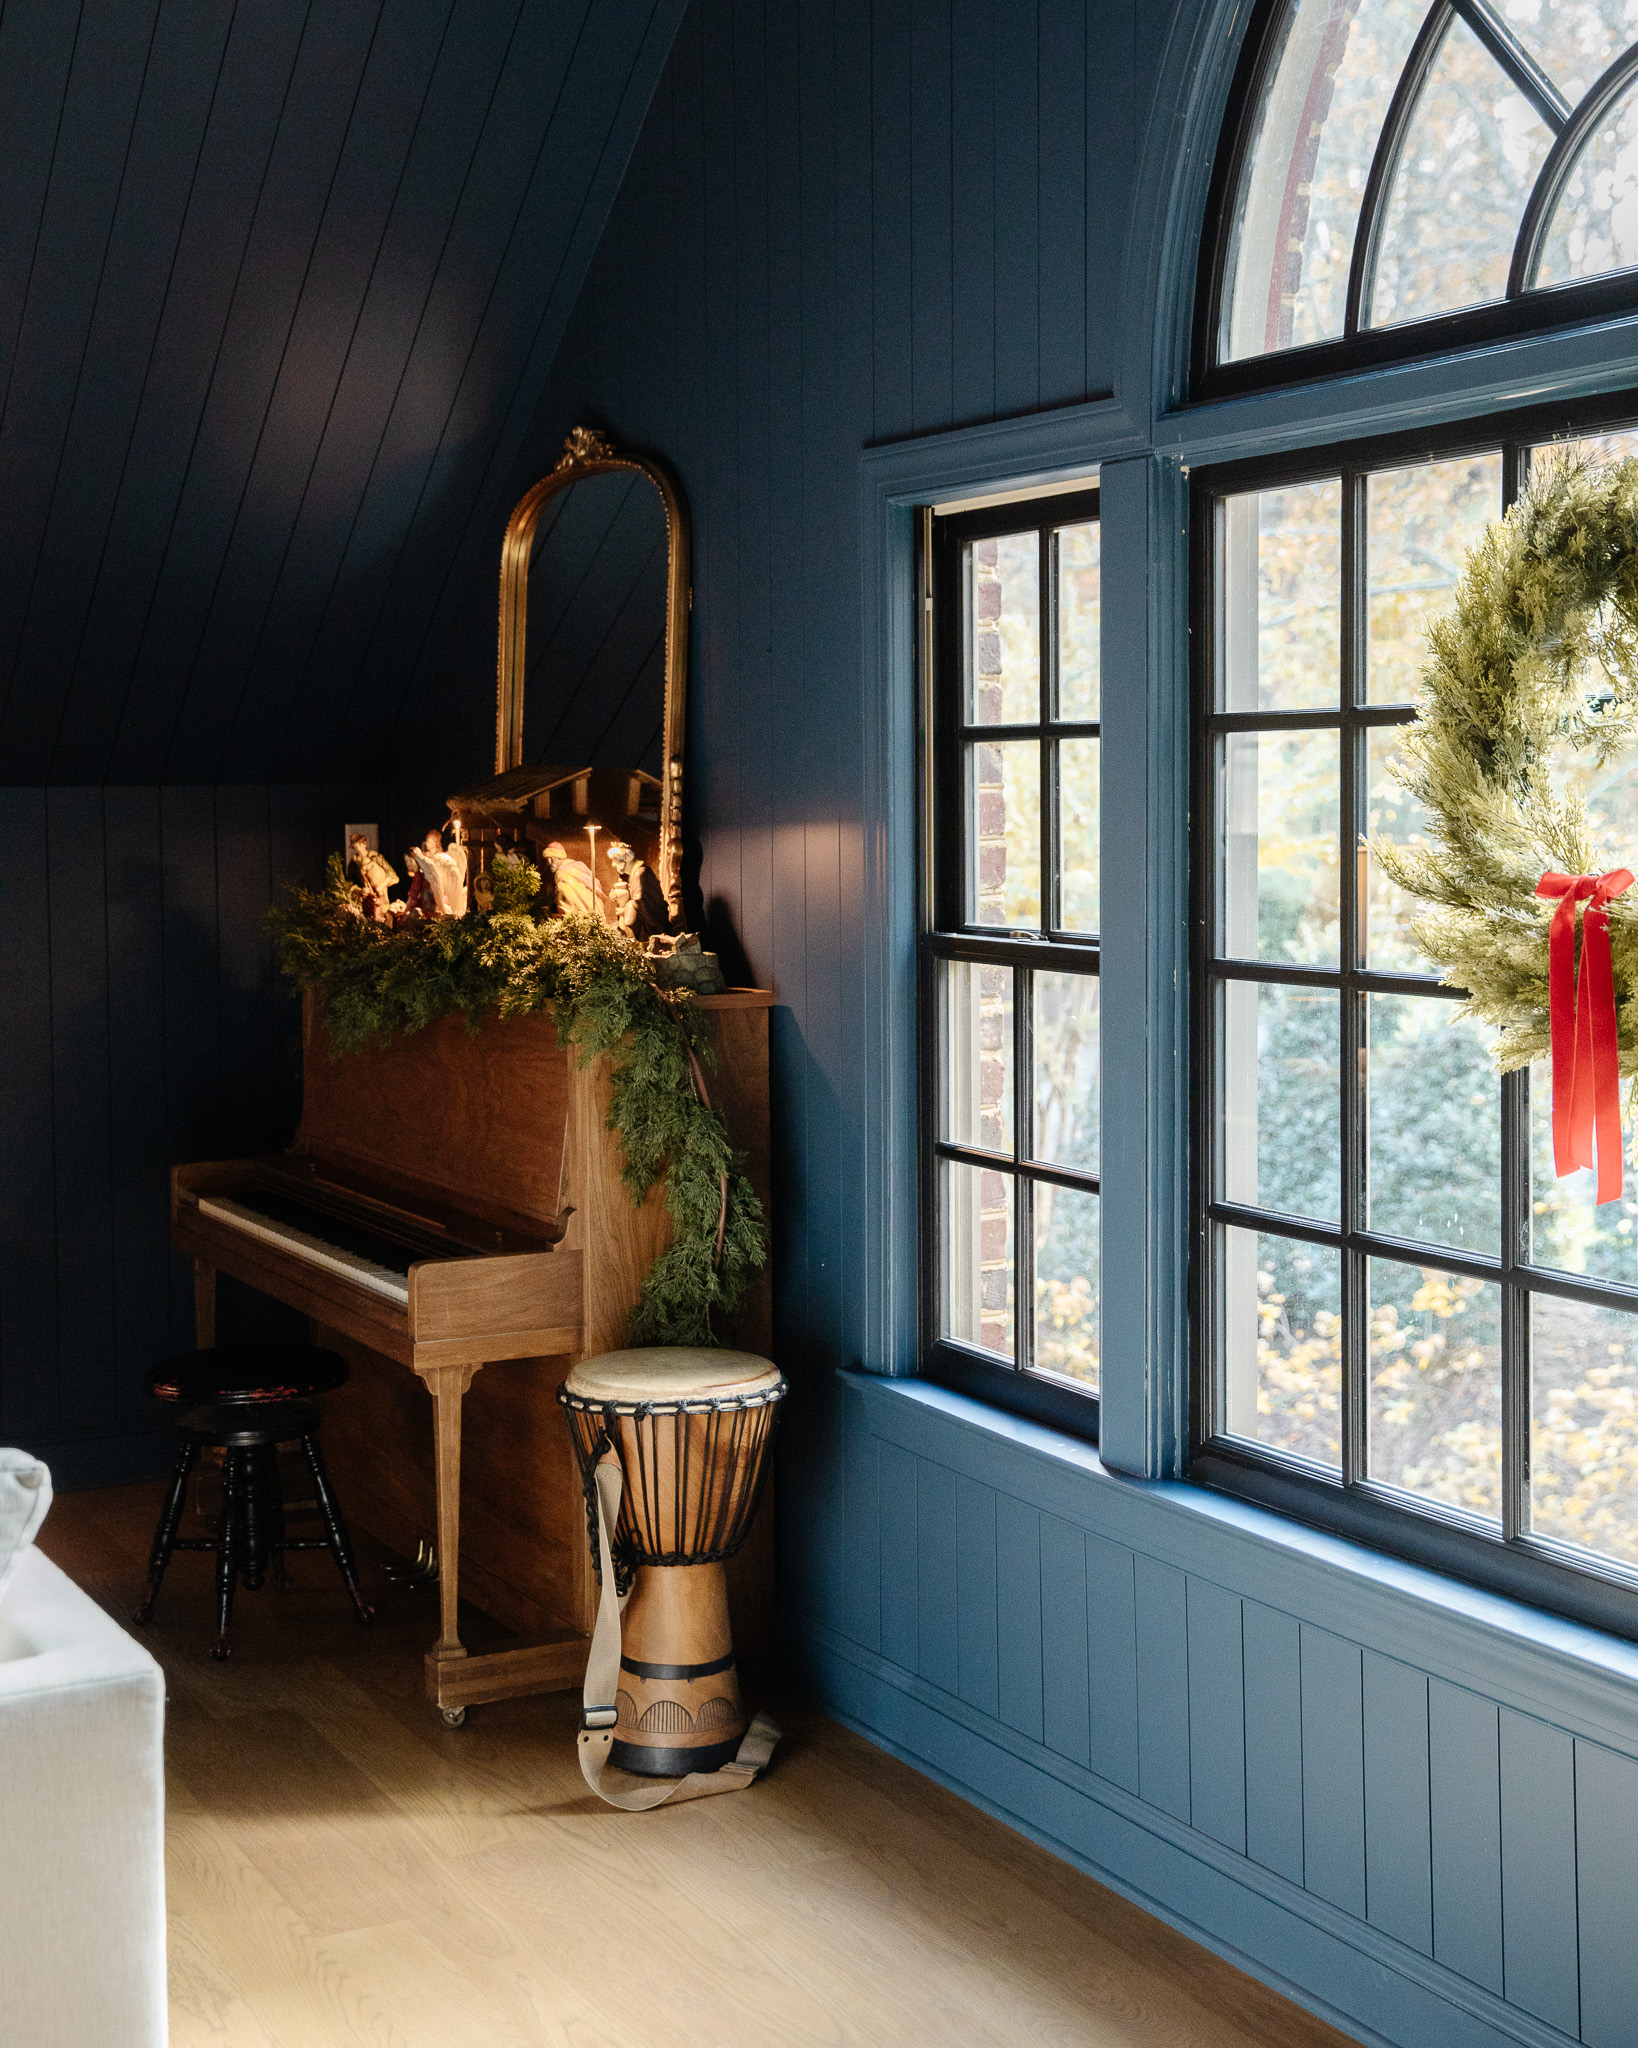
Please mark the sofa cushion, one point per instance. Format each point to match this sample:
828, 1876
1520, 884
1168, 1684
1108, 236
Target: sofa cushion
25, 1494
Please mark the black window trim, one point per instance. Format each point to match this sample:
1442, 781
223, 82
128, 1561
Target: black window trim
945, 934
1576, 1584
1552, 308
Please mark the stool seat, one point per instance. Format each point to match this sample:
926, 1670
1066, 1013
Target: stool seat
246, 1400
247, 1372
241, 1425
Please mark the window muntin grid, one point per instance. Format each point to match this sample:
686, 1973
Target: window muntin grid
1397, 1297
1010, 990
1403, 161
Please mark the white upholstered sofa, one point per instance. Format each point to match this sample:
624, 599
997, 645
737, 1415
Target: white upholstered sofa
82, 1811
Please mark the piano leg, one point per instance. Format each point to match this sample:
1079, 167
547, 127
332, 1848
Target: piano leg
204, 1304
447, 1384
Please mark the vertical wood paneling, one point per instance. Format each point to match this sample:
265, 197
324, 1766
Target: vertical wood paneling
1397, 1829
896, 1482
864, 1524
28, 1172
936, 1609
1018, 1618
1111, 1623
1606, 1826
1065, 1700
1217, 1722
1539, 1870
1163, 1686
82, 1108
1333, 1770
1465, 1809
978, 1673
1273, 1693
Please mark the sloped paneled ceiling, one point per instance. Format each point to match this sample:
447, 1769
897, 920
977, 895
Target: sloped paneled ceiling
279, 283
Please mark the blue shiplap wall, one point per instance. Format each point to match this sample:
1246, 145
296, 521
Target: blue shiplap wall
845, 225
279, 285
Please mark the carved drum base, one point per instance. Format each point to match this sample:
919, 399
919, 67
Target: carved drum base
679, 1704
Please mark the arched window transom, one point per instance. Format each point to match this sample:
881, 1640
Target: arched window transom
1407, 161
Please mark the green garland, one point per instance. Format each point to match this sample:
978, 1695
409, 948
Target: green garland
1549, 593
374, 981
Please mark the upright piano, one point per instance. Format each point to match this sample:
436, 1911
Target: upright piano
452, 1202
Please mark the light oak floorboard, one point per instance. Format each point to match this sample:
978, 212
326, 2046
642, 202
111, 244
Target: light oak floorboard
345, 1872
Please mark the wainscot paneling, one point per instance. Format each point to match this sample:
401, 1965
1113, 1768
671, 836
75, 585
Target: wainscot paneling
145, 1025
1411, 1807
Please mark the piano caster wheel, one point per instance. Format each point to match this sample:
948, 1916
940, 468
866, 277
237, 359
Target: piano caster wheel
220, 1650
453, 1717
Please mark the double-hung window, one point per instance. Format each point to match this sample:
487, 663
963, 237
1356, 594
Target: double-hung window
1405, 1325
1009, 996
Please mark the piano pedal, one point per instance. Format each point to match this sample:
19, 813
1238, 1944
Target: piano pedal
423, 1571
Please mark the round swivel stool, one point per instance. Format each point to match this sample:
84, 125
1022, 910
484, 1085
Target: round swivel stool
247, 1400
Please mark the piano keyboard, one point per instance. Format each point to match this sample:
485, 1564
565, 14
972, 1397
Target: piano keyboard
364, 1256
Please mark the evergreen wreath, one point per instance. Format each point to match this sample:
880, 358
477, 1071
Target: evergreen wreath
374, 981
1538, 653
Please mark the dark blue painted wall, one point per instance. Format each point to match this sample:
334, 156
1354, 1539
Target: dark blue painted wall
279, 284
848, 224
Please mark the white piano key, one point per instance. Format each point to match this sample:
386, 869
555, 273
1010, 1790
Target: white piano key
304, 1245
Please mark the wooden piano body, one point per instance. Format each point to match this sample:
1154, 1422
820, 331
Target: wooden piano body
472, 1146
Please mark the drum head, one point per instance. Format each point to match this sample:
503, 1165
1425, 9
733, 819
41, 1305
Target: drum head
671, 1373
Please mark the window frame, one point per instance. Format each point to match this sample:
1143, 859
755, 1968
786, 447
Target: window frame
945, 933
1537, 311
1518, 1563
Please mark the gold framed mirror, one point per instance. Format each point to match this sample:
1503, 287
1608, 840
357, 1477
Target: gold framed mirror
588, 455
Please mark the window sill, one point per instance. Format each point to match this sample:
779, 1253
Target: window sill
1577, 1676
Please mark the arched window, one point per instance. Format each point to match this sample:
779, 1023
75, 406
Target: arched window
1472, 163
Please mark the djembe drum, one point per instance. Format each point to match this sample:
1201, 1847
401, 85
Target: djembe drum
673, 1451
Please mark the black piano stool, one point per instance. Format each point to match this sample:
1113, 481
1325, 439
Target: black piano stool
247, 1400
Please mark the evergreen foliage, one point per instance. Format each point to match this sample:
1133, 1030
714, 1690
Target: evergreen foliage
1537, 657
375, 980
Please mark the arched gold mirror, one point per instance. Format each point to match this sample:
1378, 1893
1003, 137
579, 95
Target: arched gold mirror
591, 697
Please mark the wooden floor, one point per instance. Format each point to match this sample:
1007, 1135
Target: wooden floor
344, 1870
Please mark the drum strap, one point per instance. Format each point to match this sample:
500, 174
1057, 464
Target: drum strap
628, 1789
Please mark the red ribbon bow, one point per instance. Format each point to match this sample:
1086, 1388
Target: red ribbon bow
1581, 1015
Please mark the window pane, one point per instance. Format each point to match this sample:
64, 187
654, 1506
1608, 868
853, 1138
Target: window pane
1280, 873
1390, 814
1305, 174
978, 1262
1066, 1284
1078, 833
1421, 523
1004, 833
1282, 603
1584, 1402
1005, 663
1567, 1230
1281, 1099
1435, 1372
1079, 617
1433, 1124
1595, 447
977, 1094
1472, 152
1609, 790
1572, 40
1066, 1070
1595, 224
1282, 1343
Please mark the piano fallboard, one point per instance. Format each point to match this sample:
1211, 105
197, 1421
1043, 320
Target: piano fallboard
423, 1286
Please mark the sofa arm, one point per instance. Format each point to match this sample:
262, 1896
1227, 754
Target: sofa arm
82, 1814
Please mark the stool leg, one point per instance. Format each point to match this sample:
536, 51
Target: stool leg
170, 1516
257, 1514
334, 1527
276, 1524
227, 1548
